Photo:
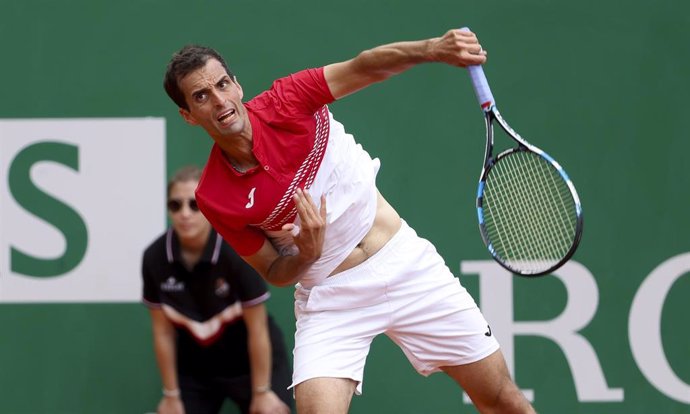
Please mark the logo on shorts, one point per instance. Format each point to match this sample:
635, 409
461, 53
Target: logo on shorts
488, 333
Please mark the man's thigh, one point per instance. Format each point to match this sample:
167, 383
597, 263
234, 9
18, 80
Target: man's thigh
325, 395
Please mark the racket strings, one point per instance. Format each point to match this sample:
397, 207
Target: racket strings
527, 221
498, 224
529, 212
567, 226
552, 198
523, 195
544, 236
515, 248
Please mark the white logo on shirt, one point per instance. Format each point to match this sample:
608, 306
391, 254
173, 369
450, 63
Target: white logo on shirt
251, 199
222, 288
172, 285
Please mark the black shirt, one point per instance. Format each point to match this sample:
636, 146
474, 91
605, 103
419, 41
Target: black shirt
205, 304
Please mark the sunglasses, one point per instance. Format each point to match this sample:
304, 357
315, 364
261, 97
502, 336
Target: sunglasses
175, 205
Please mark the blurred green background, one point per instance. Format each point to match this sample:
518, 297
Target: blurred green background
601, 85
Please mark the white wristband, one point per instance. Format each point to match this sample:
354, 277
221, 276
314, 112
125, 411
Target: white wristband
171, 393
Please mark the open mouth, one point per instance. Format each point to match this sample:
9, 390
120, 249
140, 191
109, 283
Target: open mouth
225, 117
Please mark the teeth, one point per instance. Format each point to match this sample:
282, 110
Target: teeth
226, 115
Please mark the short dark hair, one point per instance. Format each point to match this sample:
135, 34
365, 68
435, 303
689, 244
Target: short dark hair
183, 62
184, 174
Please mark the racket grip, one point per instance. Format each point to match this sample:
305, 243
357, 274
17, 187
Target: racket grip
481, 85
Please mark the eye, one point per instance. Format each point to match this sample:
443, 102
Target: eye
223, 84
200, 97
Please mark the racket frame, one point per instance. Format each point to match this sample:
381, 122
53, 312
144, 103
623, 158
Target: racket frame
492, 114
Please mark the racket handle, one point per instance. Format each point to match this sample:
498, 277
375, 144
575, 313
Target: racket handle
481, 85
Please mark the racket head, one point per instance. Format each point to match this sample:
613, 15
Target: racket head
530, 216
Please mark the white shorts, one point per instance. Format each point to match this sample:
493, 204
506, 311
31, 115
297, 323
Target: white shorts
404, 291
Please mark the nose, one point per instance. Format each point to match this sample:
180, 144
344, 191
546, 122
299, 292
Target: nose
216, 98
186, 211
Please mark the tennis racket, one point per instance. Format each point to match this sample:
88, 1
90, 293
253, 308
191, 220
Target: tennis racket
530, 216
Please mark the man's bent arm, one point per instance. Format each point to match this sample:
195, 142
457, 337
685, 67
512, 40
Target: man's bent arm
276, 269
285, 270
455, 47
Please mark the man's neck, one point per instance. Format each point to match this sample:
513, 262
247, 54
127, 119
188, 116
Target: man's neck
240, 156
238, 151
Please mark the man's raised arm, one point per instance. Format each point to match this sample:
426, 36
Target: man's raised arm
456, 47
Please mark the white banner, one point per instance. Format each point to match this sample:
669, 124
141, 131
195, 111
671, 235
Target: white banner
79, 201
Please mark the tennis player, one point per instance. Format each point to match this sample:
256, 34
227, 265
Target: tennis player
296, 197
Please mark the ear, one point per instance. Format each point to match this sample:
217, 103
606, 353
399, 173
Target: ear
239, 87
187, 116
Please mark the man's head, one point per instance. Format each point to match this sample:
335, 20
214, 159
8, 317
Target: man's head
206, 92
185, 61
190, 225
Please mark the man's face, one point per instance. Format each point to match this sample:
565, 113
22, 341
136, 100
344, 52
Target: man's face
214, 100
188, 222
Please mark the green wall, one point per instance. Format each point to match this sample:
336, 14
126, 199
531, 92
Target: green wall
601, 85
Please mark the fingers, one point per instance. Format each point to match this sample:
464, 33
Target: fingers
307, 210
322, 211
463, 48
473, 56
466, 33
472, 50
463, 37
311, 235
292, 228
